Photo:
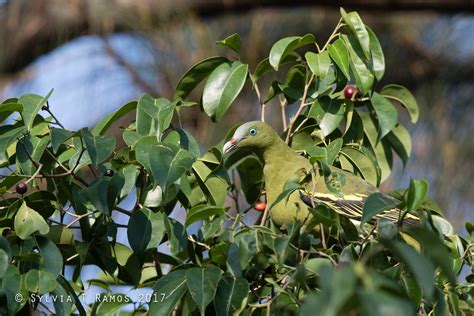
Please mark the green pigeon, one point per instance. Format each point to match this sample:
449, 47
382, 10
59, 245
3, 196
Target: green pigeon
281, 163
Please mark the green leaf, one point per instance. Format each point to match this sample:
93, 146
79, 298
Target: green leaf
231, 41
363, 164
419, 265
400, 140
195, 75
59, 136
231, 296
32, 104
40, 281
286, 45
130, 173
222, 87
363, 76
328, 112
402, 95
103, 125
251, 178
61, 235
333, 150
146, 114
168, 290
164, 162
164, 115
4, 260
376, 55
28, 221
65, 284
30, 148
52, 257
6, 109
387, 116
289, 188
145, 230
339, 54
177, 236
375, 204
200, 212
202, 284
110, 304
435, 248
357, 28
104, 191
417, 193
382, 150
98, 147
264, 66
318, 63
7, 139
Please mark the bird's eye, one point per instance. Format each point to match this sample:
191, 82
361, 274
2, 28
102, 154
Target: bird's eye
253, 132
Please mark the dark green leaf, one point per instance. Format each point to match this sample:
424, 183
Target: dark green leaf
286, 45
231, 41
98, 147
103, 125
30, 148
145, 230
6, 109
376, 55
264, 66
251, 178
400, 140
222, 87
329, 113
59, 136
166, 163
416, 194
363, 164
168, 290
375, 204
357, 28
202, 284
32, 104
200, 212
339, 54
387, 116
419, 265
231, 296
363, 76
52, 257
402, 95
195, 75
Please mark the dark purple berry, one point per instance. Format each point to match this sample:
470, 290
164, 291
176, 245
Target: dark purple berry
7, 232
109, 173
21, 188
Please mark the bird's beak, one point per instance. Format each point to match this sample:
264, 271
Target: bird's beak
230, 145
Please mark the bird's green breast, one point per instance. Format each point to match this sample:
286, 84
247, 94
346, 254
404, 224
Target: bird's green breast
282, 163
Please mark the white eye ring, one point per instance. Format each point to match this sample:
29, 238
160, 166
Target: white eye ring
253, 132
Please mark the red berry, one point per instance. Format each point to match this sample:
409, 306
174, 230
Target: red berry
349, 92
260, 206
21, 188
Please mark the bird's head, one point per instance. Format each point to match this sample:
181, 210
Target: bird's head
254, 135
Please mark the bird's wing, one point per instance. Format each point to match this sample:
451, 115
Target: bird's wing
346, 194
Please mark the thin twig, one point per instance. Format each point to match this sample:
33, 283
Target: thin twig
78, 218
300, 108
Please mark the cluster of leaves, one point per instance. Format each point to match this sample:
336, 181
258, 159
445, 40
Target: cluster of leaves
226, 265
